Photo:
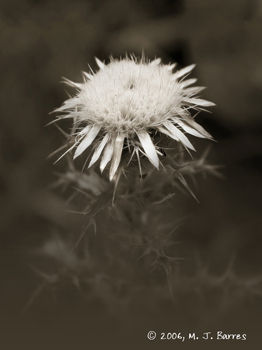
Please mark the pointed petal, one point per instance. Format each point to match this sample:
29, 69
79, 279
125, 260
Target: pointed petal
194, 90
88, 76
155, 62
98, 150
180, 73
177, 133
188, 128
107, 155
71, 83
118, 147
149, 147
88, 139
198, 127
100, 64
171, 67
199, 102
188, 82
68, 150
167, 132
68, 104
85, 130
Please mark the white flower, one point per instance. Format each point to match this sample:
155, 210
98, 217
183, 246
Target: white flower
124, 102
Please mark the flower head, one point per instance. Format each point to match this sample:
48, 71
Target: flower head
124, 102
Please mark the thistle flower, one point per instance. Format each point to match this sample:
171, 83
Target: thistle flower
124, 103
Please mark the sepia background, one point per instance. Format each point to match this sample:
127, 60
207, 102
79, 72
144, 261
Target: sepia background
42, 41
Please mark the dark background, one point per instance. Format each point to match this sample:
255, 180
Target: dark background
41, 41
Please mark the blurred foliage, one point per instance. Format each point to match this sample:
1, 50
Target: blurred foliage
127, 242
